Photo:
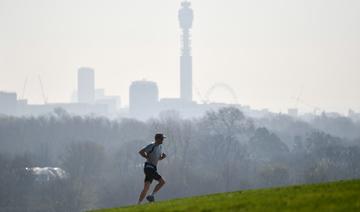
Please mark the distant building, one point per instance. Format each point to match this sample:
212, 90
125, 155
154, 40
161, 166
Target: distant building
293, 112
8, 103
143, 99
113, 103
99, 93
331, 114
185, 108
186, 19
353, 115
87, 94
81, 109
86, 85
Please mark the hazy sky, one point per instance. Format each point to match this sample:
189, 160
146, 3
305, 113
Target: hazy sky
269, 51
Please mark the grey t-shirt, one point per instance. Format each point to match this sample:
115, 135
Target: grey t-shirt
154, 152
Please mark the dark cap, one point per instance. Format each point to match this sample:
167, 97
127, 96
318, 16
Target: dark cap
159, 135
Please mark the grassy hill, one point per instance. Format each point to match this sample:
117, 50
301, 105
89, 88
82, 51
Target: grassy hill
336, 196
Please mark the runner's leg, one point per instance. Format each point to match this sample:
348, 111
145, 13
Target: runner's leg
144, 191
158, 186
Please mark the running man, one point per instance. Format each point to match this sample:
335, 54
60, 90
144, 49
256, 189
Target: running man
153, 153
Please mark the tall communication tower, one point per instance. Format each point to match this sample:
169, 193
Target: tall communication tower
186, 18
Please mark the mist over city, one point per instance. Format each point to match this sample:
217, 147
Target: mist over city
228, 96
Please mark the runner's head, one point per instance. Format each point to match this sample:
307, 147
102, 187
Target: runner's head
159, 137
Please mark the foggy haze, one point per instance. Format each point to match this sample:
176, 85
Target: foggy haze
69, 163
269, 52
249, 94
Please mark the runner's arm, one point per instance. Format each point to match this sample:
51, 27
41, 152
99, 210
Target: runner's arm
163, 156
143, 153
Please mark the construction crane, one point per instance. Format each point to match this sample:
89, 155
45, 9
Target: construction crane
42, 90
24, 88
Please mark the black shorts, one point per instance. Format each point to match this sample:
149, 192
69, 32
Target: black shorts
151, 173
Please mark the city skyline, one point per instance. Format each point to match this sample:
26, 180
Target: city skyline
269, 62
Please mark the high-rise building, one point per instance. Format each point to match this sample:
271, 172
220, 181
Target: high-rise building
86, 85
186, 19
8, 103
143, 99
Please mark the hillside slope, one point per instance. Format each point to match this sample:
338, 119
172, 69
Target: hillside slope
336, 196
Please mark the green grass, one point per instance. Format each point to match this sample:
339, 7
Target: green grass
336, 196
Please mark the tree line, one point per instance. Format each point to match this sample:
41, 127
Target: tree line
222, 151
